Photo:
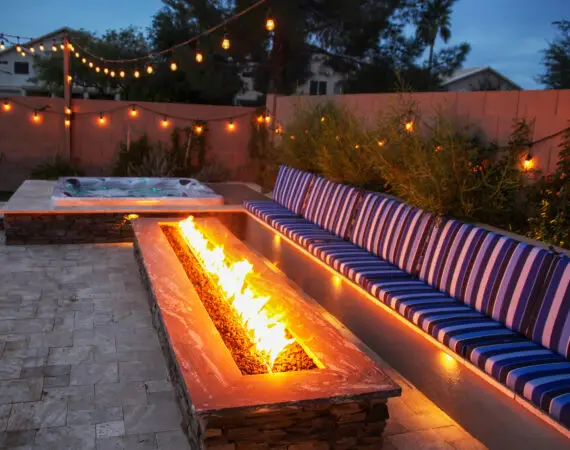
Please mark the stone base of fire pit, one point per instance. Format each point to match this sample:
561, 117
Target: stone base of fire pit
340, 405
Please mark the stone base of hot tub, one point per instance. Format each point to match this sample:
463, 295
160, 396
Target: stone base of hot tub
88, 228
345, 423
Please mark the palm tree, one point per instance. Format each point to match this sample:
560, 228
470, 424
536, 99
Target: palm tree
434, 19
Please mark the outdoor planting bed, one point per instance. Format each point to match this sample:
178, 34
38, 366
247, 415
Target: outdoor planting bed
254, 365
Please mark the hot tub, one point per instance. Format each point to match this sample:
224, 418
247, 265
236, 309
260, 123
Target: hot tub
75, 191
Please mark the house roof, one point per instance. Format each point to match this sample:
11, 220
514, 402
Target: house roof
45, 37
461, 74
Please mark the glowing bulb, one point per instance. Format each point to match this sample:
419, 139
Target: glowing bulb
173, 66
292, 137
137, 74
149, 69
70, 47
267, 119
36, 117
381, 143
323, 118
32, 50
42, 47
62, 46
54, 47
67, 122
84, 60
409, 126
528, 163
105, 71
2, 45
260, 119
270, 24
19, 48
77, 55
97, 69
231, 125
134, 111
69, 78
122, 74
67, 110
112, 74
91, 65
164, 122
23, 54
198, 129
6, 106
226, 43
102, 119
199, 56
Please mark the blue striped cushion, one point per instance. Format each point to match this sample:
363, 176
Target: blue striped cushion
552, 325
392, 230
331, 206
492, 273
531, 371
291, 188
355, 263
302, 231
267, 210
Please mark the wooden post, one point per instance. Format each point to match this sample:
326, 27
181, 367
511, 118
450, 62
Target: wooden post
67, 94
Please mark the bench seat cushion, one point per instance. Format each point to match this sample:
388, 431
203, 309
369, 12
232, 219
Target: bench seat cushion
531, 371
268, 210
291, 188
302, 231
355, 263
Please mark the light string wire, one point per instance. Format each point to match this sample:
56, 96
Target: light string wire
174, 47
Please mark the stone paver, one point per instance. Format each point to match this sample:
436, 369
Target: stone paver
81, 365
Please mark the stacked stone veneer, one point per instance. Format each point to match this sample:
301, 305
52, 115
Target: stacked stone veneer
324, 424
41, 229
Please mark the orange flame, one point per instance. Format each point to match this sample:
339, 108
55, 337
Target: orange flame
267, 332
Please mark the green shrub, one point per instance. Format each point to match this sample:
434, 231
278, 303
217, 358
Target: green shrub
551, 222
213, 172
329, 140
56, 167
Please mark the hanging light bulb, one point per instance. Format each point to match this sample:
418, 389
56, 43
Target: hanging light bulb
231, 125
199, 56
122, 74
69, 79
67, 122
270, 22
32, 50
198, 129
67, 110
164, 122
2, 45
105, 71
226, 44
77, 55
71, 47
409, 126
19, 48
36, 117
137, 74
42, 47
97, 69
84, 60
173, 66
528, 163
7, 106
102, 119
134, 111
90, 64
62, 46
23, 54
260, 119
53, 47
149, 69
267, 118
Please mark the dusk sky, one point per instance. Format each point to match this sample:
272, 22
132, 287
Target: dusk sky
505, 34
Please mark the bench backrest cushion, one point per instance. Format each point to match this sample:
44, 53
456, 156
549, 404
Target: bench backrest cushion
291, 188
392, 230
331, 205
552, 323
493, 274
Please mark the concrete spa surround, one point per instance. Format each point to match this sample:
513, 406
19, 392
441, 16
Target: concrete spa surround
341, 405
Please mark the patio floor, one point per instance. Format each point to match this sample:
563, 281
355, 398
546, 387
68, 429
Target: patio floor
81, 366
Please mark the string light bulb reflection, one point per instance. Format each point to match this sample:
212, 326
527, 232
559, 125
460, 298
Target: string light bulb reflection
134, 111
7, 106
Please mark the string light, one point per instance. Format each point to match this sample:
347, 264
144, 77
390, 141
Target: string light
36, 117
231, 125
84, 60
528, 163
164, 122
226, 44
97, 69
67, 110
69, 79
102, 119
112, 74
77, 55
199, 56
134, 111
198, 129
53, 47
91, 64
23, 54
270, 22
260, 119
149, 69
409, 126
438, 149
19, 48
137, 74
67, 122
42, 47
7, 106
2, 45
323, 118
381, 143
32, 50
62, 46
267, 118
173, 66
69, 46
122, 74
105, 71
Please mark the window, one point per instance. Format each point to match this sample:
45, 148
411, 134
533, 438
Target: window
21, 68
318, 88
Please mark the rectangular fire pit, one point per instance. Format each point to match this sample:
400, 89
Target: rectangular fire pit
318, 392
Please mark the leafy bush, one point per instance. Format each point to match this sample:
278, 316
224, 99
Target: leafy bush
158, 162
442, 166
328, 140
551, 222
56, 167
213, 172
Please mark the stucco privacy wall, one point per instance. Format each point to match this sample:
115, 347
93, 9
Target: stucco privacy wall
24, 143
493, 112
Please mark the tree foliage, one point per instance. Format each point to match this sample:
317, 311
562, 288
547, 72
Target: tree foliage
556, 59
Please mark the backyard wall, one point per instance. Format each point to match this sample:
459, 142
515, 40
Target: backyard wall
24, 144
493, 112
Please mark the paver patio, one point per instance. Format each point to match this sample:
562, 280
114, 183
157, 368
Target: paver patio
81, 366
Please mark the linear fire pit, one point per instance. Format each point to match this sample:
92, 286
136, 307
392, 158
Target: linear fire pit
315, 391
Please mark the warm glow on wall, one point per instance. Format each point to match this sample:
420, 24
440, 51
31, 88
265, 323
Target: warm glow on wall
337, 281
7, 106
134, 112
448, 362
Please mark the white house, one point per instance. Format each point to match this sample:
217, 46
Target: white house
478, 79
